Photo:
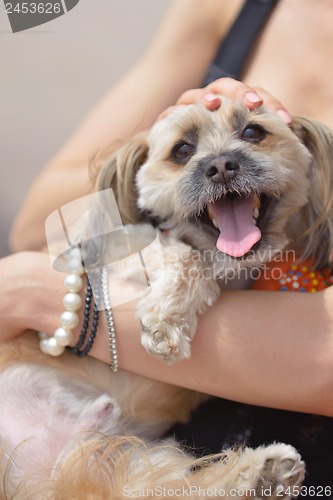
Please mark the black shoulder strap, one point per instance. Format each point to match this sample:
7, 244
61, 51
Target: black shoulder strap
236, 46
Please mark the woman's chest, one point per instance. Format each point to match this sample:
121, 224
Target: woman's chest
293, 58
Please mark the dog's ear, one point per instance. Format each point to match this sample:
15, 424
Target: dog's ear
317, 215
119, 172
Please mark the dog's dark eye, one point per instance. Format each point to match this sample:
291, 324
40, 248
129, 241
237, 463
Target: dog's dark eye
253, 133
182, 151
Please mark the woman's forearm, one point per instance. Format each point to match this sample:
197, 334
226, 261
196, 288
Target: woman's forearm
266, 348
263, 348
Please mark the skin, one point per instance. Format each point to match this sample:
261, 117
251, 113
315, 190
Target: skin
246, 357
281, 357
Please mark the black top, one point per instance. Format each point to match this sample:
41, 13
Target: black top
233, 52
220, 423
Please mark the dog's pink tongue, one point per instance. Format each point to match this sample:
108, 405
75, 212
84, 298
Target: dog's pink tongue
238, 232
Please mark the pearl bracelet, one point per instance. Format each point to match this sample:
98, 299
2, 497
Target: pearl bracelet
69, 319
63, 336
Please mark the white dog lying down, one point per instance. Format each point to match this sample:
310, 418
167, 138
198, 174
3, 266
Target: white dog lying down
71, 429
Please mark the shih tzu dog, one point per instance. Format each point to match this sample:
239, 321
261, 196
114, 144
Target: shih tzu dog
228, 189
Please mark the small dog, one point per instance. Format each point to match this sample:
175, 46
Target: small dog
232, 188
238, 184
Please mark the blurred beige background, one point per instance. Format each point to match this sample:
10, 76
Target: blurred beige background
52, 75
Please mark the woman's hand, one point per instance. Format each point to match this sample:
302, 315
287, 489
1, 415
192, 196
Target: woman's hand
253, 97
31, 294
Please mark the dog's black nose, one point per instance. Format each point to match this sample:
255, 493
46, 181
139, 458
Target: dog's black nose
221, 170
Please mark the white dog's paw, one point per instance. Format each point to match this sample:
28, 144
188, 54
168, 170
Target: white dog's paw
282, 472
166, 341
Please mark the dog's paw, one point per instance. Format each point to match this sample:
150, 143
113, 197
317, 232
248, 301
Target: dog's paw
282, 472
166, 341
99, 414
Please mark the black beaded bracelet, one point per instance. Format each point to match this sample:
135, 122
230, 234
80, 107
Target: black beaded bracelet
86, 316
77, 348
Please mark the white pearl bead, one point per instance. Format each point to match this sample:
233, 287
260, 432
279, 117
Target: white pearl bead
43, 345
75, 265
43, 335
72, 301
63, 336
75, 252
69, 319
73, 283
50, 346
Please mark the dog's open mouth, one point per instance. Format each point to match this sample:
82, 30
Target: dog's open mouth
237, 219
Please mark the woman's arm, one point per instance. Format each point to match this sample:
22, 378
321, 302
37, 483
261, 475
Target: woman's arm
176, 60
265, 348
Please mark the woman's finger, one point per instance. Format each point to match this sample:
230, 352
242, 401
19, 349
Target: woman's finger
210, 95
274, 104
237, 90
253, 97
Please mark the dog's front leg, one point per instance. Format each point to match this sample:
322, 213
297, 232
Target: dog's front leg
178, 293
